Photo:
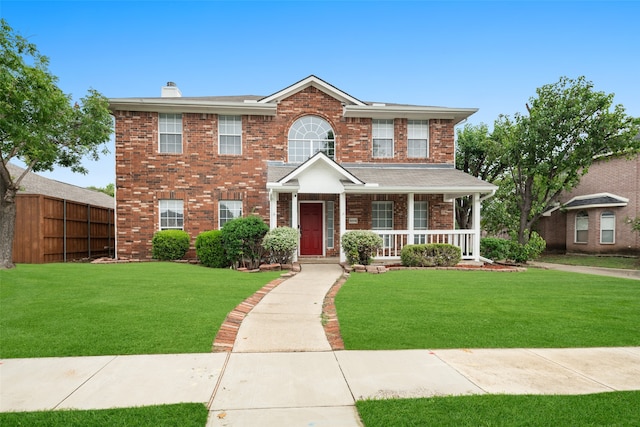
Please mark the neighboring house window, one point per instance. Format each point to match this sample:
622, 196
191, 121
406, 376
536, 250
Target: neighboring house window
228, 210
420, 221
307, 136
171, 214
230, 135
170, 133
383, 138
418, 139
330, 223
607, 227
582, 227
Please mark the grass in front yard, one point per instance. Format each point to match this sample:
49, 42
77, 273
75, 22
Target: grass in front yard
627, 263
137, 308
183, 415
434, 309
603, 409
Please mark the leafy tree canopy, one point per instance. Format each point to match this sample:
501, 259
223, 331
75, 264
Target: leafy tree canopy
39, 125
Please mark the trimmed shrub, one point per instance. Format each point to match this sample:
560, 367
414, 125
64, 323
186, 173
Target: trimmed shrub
210, 250
430, 255
169, 245
523, 253
280, 242
242, 241
360, 245
495, 248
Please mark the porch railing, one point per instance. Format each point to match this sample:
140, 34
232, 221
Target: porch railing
395, 240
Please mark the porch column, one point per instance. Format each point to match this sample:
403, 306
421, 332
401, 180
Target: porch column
343, 223
410, 218
476, 227
273, 209
294, 221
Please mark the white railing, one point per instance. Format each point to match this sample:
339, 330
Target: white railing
395, 240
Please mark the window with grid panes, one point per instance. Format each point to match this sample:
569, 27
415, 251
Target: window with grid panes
418, 138
170, 131
307, 136
607, 227
382, 138
171, 214
420, 221
230, 135
228, 210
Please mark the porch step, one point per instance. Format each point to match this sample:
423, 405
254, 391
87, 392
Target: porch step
318, 260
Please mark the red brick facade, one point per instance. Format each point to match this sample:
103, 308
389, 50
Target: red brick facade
200, 177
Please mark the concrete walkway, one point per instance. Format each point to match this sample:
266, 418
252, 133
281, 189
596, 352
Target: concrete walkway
282, 372
601, 271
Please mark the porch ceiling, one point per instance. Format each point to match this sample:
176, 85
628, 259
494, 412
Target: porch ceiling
393, 178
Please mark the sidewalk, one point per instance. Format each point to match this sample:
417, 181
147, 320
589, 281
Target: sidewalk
601, 271
281, 371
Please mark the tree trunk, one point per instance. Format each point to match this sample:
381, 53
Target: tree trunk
7, 231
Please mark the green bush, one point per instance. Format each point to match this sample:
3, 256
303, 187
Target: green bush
430, 255
495, 248
210, 250
242, 241
169, 245
281, 243
360, 245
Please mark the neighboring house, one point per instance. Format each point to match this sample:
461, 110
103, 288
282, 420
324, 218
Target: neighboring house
309, 156
593, 217
56, 221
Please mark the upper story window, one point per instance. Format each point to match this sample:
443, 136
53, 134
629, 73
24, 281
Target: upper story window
171, 214
582, 227
230, 135
608, 227
418, 139
307, 136
382, 138
170, 129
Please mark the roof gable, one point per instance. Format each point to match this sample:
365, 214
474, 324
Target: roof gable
318, 84
598, 200
323, 161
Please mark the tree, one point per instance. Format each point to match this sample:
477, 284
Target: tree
568, 125
110, 189
39, 126
477, 154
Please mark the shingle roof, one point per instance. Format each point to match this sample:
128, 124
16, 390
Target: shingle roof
596, 200
443, 178
36, 184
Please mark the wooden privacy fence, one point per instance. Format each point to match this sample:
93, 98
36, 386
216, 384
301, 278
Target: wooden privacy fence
49, 229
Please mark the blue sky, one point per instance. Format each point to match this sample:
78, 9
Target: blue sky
488, 55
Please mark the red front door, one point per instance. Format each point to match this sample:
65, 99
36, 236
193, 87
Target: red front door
310, 228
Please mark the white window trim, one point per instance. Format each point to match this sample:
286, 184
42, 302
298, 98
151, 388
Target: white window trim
220, 134
220, 202
170, 133
160, 203
409, 122
613, 242
376, 122
575, 232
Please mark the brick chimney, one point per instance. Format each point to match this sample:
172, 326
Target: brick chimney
170, 91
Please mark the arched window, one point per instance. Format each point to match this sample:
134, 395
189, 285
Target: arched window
582, 227
307, 136
608, 227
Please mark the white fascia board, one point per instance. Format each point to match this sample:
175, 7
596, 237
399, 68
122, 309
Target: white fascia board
316, 82
172, 105
602, 205
594, 195
320, 157
407, 112
278, 187
459, 191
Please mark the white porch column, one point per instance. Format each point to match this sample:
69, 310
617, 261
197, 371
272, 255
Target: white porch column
343, 223
410, 217
476, 227
294, 221
273, 209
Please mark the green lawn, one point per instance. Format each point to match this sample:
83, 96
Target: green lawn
604, 409
180, 415
138, 308
471, 309
626, 263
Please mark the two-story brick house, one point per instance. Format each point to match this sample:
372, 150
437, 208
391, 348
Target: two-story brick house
309, 156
